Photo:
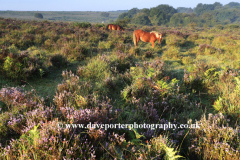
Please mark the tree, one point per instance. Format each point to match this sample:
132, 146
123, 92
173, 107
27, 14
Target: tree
142, 19
207, 16
104, 14
233, 4
122, 23
184, 10
38, 15
217, 5
169, 10
122, 16
145, 11
202, 8
132, 12
158, 17
161, 14
177, 19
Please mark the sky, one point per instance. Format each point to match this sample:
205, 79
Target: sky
98, 5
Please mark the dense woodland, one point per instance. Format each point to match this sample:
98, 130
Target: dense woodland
202, 14
57, 74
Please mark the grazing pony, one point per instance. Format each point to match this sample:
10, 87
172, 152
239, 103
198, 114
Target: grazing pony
114, 27
146, 37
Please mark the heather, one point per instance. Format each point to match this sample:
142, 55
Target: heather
56, 74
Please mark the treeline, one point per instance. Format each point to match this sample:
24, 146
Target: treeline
202, 15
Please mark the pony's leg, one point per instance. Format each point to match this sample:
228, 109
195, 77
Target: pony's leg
152, 44
138, 38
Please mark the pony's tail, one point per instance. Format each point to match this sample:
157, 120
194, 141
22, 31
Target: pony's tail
134, 38
107, 27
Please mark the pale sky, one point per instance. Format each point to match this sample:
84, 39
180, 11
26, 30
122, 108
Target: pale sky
98, 5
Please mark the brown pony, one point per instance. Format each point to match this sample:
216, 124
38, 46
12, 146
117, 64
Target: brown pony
114, 27
146, 37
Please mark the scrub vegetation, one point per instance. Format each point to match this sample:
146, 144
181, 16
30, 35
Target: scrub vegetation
57, 74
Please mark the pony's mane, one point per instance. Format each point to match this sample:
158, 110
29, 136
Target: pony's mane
156, 33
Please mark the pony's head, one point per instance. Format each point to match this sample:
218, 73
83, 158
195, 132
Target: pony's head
158, 35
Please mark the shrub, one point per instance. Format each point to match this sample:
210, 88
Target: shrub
38, 15
139, 89
135, 51
38, 40
75, 93
222, 41
26, 41
187, 60
48, 143
102, 45
174, 40
194, 79
142, 80
95, 70
215, 139
58, 60
116, 37
121, 61
163, 145
82, 24
75, 52
66, 91
227, 101
22, 110
233, 26
148, 54
172, 52
21, 66
220, 27
99, 25
48, 44
193, 37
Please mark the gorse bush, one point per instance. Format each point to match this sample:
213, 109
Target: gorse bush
95, 70
21, 66
172, 52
